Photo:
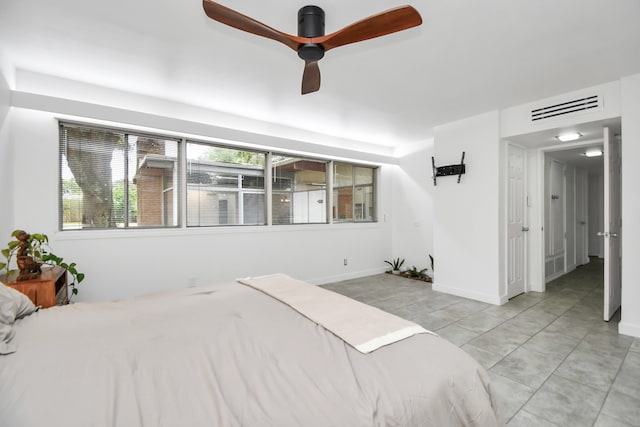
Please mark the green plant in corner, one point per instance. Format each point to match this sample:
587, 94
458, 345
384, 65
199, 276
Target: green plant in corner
419, 274
396, 264
36, 248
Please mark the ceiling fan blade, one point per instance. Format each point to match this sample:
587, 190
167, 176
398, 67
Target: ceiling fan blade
237, 20
310, 77
384, 23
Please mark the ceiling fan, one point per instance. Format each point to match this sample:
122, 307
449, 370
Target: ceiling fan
311, 43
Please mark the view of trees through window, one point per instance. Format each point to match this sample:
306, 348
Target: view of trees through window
112, 179
117, 179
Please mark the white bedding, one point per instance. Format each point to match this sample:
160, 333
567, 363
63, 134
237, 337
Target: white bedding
226, 355
363, 327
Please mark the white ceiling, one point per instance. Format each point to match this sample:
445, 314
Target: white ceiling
576, 157
468, 57
573, 152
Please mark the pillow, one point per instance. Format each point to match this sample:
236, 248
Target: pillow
24, 306
8, 311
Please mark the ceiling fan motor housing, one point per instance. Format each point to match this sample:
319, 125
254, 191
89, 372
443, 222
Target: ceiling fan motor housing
311, 24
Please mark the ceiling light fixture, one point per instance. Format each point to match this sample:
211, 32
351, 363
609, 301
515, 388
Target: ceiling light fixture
566, 137
593, 152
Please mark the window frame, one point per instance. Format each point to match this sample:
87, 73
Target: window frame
328, 164
126, 132
237, 190
180, 182
354, 187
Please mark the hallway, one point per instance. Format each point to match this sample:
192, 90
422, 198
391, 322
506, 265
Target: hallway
552, 359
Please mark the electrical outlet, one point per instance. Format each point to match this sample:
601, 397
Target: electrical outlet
345, 261
192, 282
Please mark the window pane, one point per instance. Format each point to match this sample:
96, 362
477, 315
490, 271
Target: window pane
364, 176
153, 169
342, 175
343, 204
224, 186
364, 204
281, 208
253, 209
87, 176
108, 178
353, 193
342, 192
300, 190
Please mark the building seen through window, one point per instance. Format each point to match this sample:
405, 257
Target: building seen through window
117, 179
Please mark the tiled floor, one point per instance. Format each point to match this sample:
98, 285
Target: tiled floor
551, 357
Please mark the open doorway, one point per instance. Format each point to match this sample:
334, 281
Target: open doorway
570, 205
573, 207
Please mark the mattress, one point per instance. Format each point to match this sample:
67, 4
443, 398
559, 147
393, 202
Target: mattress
227, 355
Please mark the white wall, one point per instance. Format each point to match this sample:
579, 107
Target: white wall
621, 99
630, 322
596, 215
467, 229
122, 263
516, 120
412, 212
6, 162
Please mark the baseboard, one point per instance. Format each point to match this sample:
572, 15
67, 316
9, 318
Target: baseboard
629, 329
553, 276
346, 276
465, 293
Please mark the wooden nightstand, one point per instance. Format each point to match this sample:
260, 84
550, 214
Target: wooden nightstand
45, 291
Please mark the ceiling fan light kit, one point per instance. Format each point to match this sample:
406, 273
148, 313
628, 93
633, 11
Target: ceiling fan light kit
311, 43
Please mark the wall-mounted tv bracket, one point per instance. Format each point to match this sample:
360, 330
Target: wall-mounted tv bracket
448, 170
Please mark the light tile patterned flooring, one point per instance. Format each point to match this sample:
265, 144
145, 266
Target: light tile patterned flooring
552, 359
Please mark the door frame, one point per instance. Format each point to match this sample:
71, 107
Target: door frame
540, 248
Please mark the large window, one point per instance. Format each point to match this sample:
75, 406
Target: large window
353, 193
299, 190
225, 186
115, 179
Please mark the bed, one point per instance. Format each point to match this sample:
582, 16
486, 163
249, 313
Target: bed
224, 355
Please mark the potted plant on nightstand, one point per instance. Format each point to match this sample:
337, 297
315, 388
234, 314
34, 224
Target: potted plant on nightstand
31, 252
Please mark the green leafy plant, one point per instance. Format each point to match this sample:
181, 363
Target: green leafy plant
395, 264
37, 247
431, 259
414, 272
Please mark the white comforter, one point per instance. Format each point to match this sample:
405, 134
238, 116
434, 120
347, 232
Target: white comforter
226, 355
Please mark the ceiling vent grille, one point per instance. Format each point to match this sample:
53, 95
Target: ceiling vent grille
565, 108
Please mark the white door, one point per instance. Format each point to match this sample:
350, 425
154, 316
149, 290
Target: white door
582, 187
516, 222
612, 224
